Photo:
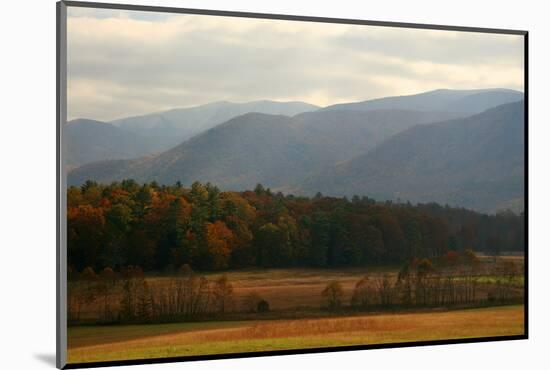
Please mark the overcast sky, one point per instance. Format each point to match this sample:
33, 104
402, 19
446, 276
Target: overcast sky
124, 63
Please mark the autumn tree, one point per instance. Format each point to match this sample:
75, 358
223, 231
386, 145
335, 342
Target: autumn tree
119, 220
86, 235
219, 239
392, 234
268, 240
319, 240
91, 193
239, 216
160, 227
413, 236
451, 259
140, 249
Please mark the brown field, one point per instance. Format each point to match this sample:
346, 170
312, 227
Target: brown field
104, 343
284, 289
291, 288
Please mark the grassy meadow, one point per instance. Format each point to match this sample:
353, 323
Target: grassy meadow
107, 343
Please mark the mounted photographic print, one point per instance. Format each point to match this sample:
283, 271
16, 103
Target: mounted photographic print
237, 184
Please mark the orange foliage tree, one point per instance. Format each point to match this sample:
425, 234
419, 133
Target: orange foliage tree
219, 239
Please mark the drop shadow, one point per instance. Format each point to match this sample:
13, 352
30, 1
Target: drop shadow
47, 358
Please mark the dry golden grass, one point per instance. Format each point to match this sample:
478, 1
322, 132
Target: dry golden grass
153, 341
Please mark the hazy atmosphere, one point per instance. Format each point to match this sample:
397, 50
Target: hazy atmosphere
123, 63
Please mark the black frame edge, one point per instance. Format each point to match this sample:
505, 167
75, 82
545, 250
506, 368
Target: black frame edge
526, 180
61, 250
227, 13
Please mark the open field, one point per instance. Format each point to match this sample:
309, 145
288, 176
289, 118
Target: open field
297, 289
284, 289
105, 343
289, 288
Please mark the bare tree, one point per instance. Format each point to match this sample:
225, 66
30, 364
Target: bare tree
363, 293
107, 283
333, 293
222, 294
82, 293
144, 301
132, 281
422, 289
384, 289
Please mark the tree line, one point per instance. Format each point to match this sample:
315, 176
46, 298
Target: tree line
456, 279
129, 297
160, 228
187, 295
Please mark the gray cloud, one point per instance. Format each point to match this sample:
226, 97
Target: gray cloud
121, 63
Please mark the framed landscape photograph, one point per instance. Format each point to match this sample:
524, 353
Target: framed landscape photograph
238, 184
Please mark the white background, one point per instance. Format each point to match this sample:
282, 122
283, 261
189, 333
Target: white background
27, 183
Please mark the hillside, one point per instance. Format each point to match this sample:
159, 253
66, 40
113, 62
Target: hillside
139, 136
475, 162
170, 128
274, 150
90, 141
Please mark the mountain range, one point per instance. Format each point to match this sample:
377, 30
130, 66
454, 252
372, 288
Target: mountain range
392, 148
261, 148
475, 162
156, 132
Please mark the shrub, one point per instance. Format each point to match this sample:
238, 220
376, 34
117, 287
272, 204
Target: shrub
263, 306
333, 294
